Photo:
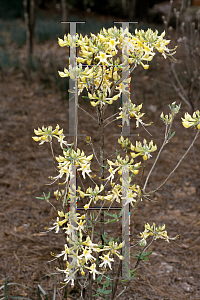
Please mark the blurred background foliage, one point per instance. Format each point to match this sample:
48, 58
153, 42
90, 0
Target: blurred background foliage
11, 9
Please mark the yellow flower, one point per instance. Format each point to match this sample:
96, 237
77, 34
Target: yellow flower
47, 134
86, 254
156, 232
85, 168
189, 121
103, 58
93, 270
143, 150
106, 261
86, 206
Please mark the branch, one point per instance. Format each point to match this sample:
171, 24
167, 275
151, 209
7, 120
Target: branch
152, 192
87, 113
167, 130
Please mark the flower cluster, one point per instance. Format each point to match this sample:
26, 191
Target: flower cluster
120, 163
125, 143
143, 150
93, 195
82, 251
47, 134
131, 110
156, 232
70, 158
192, 121
155, 41
100, 62
168, 119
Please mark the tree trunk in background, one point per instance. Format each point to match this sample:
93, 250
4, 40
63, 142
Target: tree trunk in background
124, 6
29, 16
65, 26
132, 14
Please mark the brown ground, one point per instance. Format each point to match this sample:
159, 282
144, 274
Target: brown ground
172, 271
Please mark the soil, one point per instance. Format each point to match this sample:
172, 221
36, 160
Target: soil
172, 271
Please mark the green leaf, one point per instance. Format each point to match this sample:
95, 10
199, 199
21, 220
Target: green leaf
97, 233
128, 278
5, 288
173, 134
45, 197
106, 213
104, 238
108, 279
143, 255
149, 253
107, 292
111, 221
98, 279
132, 271
44, 293
100, 296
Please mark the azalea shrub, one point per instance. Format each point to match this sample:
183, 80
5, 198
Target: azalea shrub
92, 260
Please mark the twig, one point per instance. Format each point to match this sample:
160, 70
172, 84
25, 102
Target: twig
110, 117
116, 281
164, 143
177, 80
152, 192
54, 160
87, 113
110, 122
94, 153
138, 260
136, 265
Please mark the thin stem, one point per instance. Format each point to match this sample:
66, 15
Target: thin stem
111, 116
184, 95
90, 286
142, 174
164, 143
116, 281
110, 122
162, 82
115, 153
179, 93
137, 263
100, 210
95, 153
152, 192
87, 113
54, 160
122, 291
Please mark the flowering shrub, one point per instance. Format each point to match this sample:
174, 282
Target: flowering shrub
88, 255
